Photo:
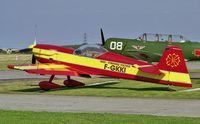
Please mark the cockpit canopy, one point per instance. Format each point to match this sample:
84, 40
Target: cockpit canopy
91, 51
162, 37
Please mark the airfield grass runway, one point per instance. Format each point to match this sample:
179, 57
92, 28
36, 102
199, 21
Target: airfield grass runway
28, 117
117, 96
107, 87
6, 59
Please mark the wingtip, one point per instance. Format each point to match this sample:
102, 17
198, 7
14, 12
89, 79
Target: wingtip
10, 66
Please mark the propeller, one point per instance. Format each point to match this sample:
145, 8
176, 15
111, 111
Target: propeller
102, 38
32, 46
33, 59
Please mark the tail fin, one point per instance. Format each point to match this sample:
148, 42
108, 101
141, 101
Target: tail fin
173, 62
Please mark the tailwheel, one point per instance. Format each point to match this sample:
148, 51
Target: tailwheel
46, 85
72, 83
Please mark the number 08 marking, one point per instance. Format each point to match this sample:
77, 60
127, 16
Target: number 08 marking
116, 45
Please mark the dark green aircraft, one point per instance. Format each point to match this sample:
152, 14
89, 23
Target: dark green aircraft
149, 47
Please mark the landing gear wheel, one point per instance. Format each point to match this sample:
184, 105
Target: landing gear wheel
46, 85
73, 83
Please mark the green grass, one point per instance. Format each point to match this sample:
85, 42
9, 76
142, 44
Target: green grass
125, 88
194, 70
26, 117
6, 59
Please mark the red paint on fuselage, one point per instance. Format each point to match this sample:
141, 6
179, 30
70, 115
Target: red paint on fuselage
95, 71
117, 58
110, 56
55, 48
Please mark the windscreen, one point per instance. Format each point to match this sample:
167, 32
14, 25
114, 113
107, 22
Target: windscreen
91, 51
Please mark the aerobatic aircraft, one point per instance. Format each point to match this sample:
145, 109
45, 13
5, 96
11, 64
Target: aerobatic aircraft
149, 47
95, 60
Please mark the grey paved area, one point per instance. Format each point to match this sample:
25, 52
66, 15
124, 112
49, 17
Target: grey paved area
164, 107
195, 75
193, 65
6, 75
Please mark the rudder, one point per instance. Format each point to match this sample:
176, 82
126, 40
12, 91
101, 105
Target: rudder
173, 60
174, 64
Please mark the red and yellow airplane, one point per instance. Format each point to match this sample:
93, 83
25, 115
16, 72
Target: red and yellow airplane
95, 60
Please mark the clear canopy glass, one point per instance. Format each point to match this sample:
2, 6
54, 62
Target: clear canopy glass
162, 37
91, 51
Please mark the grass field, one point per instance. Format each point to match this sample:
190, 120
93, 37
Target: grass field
23, 117
6, 59
194, 70
124, 88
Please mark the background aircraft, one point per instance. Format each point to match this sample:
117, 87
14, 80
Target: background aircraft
95, 60
9, 50
149, 47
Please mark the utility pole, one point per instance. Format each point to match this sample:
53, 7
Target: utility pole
85, 38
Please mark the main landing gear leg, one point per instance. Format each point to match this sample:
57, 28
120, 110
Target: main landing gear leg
72, 83
68, 78
48, 85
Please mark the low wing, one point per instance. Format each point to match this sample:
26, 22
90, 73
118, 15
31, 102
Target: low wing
149, 69
47, 69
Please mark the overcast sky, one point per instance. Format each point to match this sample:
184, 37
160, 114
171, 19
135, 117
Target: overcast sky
65, 21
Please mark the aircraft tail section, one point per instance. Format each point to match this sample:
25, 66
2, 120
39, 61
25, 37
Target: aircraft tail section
172, 61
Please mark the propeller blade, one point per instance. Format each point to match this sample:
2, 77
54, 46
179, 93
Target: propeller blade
102, 38
33, 60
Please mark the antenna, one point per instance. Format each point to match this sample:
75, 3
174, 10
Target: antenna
35, 40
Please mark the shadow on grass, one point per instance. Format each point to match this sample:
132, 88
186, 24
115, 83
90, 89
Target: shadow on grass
62, 88
29, 90
99, 86
141, 89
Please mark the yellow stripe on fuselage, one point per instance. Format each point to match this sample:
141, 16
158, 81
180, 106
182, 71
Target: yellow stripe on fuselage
40, 66
100, 64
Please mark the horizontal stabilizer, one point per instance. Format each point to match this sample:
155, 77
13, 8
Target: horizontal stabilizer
150, 69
